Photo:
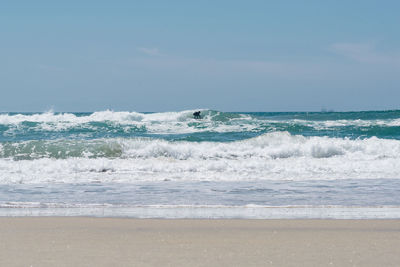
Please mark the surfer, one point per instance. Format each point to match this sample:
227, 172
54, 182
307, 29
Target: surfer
196, 115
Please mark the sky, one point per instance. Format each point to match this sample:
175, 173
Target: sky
178, 55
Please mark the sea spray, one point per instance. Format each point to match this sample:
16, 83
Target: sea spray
276, 155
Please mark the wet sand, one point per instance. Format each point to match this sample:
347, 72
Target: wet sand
84, 241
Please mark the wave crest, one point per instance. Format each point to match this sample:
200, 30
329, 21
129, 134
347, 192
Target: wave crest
277, 155
102, 123
157, 123
273, 145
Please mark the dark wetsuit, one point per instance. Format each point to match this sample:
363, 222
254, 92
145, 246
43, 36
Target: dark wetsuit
196, 115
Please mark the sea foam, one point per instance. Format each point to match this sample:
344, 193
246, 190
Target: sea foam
179, 122
276, 155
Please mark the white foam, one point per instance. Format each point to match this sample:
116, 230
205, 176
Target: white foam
158, 123
124, 117
174, 122
200, 211
275, 156
326, 124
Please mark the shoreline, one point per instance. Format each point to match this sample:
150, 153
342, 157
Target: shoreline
90, 241
16, 209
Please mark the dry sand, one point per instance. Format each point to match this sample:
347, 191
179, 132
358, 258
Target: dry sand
80, 241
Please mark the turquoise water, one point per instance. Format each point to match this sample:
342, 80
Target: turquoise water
170, 158
215, 126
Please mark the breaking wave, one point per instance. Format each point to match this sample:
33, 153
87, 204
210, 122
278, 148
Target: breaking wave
273, 145
276, 155
182, 125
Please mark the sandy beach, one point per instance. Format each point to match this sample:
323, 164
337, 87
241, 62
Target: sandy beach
84, 241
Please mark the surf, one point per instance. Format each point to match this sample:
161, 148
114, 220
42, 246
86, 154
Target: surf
276, 155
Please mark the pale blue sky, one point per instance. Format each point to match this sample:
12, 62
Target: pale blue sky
223, 55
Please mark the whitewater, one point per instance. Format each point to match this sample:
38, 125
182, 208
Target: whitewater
305, 158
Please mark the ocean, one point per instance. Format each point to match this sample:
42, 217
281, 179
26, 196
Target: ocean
224, 165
